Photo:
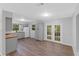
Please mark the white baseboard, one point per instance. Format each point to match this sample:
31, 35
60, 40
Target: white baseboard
66, 44
0, 53
60, 43
74, 51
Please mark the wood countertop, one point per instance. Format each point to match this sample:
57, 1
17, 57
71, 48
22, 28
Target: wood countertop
10, 35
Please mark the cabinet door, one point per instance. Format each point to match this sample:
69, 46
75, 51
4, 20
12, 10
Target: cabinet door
11, 45
8, 24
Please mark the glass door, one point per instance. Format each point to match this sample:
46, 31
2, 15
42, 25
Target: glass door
57, 33
49, 32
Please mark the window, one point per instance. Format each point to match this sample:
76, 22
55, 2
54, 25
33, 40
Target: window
16, 27
49, 28
33, 27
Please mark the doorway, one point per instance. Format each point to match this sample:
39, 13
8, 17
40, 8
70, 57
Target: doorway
49, 32
54, 33
57, 33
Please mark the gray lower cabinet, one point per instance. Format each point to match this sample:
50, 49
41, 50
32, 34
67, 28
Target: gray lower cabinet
20, 35
11, 45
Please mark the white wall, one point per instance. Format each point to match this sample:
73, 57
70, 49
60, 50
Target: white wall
0, 32
66, 29
77, 34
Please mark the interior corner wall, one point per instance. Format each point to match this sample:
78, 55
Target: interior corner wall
66, 29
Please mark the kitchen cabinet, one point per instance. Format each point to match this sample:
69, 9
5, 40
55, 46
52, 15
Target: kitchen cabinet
11, 43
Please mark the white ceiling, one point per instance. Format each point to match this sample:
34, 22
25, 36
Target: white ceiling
33, 11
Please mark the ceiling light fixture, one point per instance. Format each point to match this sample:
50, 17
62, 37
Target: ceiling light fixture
45, 15
22, 20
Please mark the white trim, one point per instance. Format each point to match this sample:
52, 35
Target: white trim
59, 42
53, 30
74, 50
60, 33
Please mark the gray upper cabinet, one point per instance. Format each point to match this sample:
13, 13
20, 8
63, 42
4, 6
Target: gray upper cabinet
7, 16
8, 21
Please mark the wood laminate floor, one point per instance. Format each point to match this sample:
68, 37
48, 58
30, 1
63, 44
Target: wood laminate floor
32, 47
